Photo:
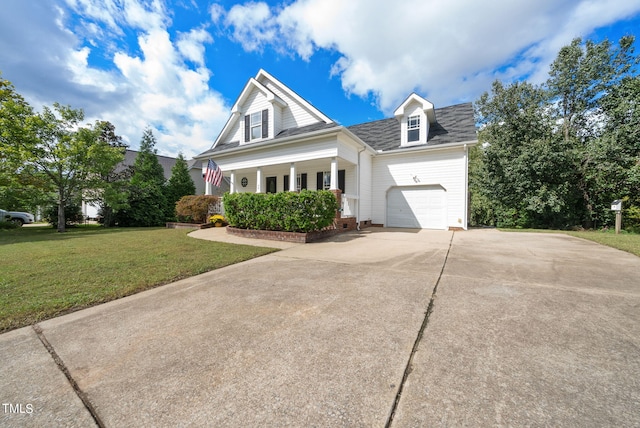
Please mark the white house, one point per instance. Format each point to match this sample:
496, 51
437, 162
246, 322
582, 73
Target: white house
406, 171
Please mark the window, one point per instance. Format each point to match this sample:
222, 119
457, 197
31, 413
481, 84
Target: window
272, 184
256, 125
301, 182
413, 128
326, 180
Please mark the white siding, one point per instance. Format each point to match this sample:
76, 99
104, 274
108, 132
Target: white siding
236, 131
294, 115
445, 168
277, 120
278, 155
365, 186
279, 171
256, 102
414, 109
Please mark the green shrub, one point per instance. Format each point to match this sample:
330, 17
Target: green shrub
195, 208
8, 225
72, 215
288, 211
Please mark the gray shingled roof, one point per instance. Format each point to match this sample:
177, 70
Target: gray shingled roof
130, 156
304, 129
454, 124
282, 134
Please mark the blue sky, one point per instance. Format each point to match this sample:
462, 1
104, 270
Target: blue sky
177, 66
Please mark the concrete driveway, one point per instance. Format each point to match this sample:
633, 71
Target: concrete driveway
407, 328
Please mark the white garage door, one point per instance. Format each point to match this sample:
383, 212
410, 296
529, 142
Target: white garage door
419, 207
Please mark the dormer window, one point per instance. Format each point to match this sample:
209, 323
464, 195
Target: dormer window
256, 126
413, 129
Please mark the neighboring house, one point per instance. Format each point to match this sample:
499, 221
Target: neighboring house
406, 171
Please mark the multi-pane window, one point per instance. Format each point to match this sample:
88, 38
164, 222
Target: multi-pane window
413, 128
299, 182
256, 125
326, 180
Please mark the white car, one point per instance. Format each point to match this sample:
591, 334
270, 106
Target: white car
17, 217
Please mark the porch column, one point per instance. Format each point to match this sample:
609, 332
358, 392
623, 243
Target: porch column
292, 177
334, 174
232, 182
207, 188
259, 180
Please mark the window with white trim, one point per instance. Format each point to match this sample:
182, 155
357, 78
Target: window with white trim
256, 125
413, 128
298, 182
326, 180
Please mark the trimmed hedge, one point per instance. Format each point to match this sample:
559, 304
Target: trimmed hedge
195, 208
306, 211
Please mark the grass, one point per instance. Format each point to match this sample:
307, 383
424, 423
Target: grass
628, 242
44, 273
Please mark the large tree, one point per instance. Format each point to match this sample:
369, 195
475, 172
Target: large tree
584, 82
50, 151
18, 190
555, 155
113, 194
73, 158
526, 169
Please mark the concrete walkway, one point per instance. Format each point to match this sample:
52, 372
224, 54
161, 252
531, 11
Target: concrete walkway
524, 329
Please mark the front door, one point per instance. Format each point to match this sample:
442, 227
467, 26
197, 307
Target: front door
272, 184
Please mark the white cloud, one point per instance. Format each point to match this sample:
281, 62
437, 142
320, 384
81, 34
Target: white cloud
191, 44
448, 51
156, 79
216, 11
253, 25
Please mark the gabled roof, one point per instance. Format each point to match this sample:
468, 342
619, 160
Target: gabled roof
454, 124
248, 88
258, 83
426, 106
263, 75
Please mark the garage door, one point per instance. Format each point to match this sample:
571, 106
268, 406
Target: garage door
420, 207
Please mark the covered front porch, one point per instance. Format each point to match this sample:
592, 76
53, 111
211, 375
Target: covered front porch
318, 174
326, 161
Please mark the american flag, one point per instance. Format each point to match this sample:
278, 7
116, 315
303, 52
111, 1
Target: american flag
213, 174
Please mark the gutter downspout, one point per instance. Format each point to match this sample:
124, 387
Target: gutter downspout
358, 190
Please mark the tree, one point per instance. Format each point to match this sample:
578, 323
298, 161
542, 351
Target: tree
612, 162
180, 184
50, 151
147, 204
557, 154
113, 194
581, 79
17, 189
526, 170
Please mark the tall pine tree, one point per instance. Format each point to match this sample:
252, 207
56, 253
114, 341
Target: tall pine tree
147, 200
180, 184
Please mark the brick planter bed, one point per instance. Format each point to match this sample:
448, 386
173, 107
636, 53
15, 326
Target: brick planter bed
275, 235
174, 225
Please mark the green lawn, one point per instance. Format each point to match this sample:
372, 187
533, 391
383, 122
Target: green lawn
628, 242
44, 273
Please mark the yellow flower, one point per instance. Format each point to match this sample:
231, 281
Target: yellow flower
217, 218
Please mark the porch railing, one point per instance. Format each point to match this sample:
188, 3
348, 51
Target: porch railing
349, 205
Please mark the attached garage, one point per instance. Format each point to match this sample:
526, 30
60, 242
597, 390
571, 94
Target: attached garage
422, 207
